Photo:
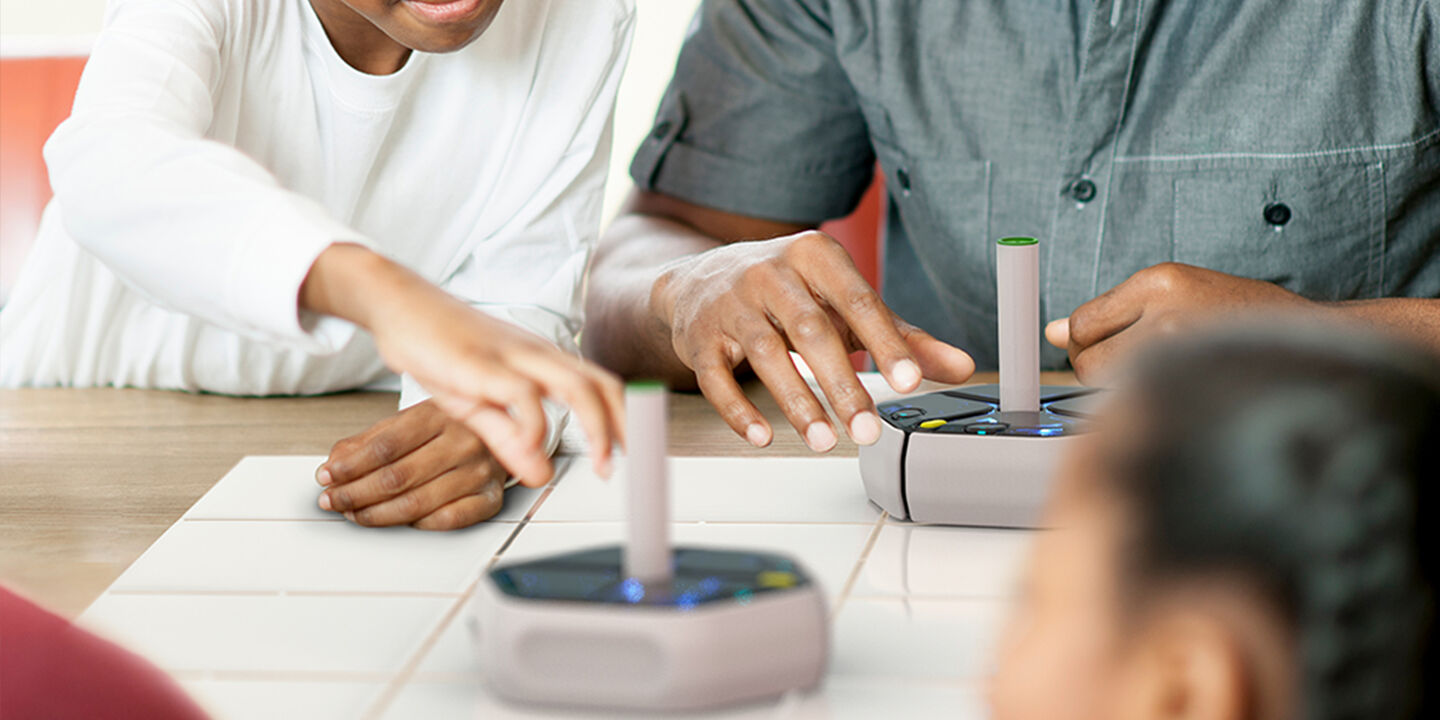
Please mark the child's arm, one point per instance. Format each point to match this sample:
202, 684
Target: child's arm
199, 227
412, 468
485, 372
195, 225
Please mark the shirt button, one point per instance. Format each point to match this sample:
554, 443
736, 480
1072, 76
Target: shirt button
902, 176
662, 129
1083, 190
1277, 214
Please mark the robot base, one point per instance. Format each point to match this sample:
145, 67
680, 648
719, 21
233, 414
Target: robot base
953, 458
572, 630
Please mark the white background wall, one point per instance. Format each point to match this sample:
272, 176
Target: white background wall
50, 17
660, 30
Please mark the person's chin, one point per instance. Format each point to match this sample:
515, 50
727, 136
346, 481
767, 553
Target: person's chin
447, 27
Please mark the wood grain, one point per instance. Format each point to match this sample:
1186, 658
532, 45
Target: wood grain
90, 478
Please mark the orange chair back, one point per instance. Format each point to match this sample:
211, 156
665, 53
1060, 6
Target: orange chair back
35, 95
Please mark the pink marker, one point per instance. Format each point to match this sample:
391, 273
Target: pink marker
1017, 279
648, 557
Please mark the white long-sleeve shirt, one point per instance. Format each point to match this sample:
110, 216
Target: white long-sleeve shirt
216, 147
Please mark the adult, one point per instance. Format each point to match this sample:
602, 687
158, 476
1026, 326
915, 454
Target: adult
1180, 160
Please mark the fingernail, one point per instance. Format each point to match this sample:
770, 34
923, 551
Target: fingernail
906, 375
757, 435
865, 428
322, 476
820, 437
325, 501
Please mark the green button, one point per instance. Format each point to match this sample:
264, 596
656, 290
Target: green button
932, 424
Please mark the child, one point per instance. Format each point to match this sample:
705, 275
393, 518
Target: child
243, 184
1247, 536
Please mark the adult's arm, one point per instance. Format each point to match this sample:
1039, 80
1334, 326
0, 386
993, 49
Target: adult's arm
714, 269
697, 295
1172, 298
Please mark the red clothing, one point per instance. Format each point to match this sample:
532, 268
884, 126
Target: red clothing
51, 669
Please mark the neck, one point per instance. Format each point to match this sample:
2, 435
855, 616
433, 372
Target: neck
358, 41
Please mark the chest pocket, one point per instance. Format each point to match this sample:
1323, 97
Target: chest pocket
945, 209
1317, 231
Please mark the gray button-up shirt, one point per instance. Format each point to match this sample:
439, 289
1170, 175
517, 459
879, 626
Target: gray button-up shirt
1293, 141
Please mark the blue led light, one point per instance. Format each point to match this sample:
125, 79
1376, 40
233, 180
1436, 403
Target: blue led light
1041, 431
633, 590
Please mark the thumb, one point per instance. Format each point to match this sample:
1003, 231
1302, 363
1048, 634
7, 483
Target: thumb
1057, 333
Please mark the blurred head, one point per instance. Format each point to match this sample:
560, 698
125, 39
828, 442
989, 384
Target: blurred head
1243, 537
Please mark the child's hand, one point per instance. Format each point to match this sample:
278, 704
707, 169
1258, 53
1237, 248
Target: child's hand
419, 467
484, 372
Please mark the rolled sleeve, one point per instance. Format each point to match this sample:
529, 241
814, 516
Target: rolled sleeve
760, 118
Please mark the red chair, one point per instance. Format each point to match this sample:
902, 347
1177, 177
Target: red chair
37, 92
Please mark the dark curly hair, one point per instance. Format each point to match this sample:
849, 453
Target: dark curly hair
1305, 462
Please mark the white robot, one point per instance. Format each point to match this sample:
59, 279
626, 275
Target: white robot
648, 627
983, 454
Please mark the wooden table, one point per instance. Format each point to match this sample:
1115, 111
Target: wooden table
90, 478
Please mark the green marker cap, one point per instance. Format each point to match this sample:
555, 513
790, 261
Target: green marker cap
645, 385
1018, 241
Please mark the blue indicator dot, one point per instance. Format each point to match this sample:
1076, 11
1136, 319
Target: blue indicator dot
633, 590
1038, 431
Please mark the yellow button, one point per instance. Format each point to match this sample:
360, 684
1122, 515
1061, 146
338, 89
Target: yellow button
932, 424
776, 579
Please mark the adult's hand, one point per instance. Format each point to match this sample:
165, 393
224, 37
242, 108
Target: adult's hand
754, 302
1160, 300
419, 467
484, 372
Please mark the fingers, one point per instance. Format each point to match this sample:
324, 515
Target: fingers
514, 433
1057, 333
463, 512
382, 444
1093, 325
595, 397
842, 287
525, 460
939, 361
1106, 315
813, 335
450, 449
770, 359
717, 383
481, 481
